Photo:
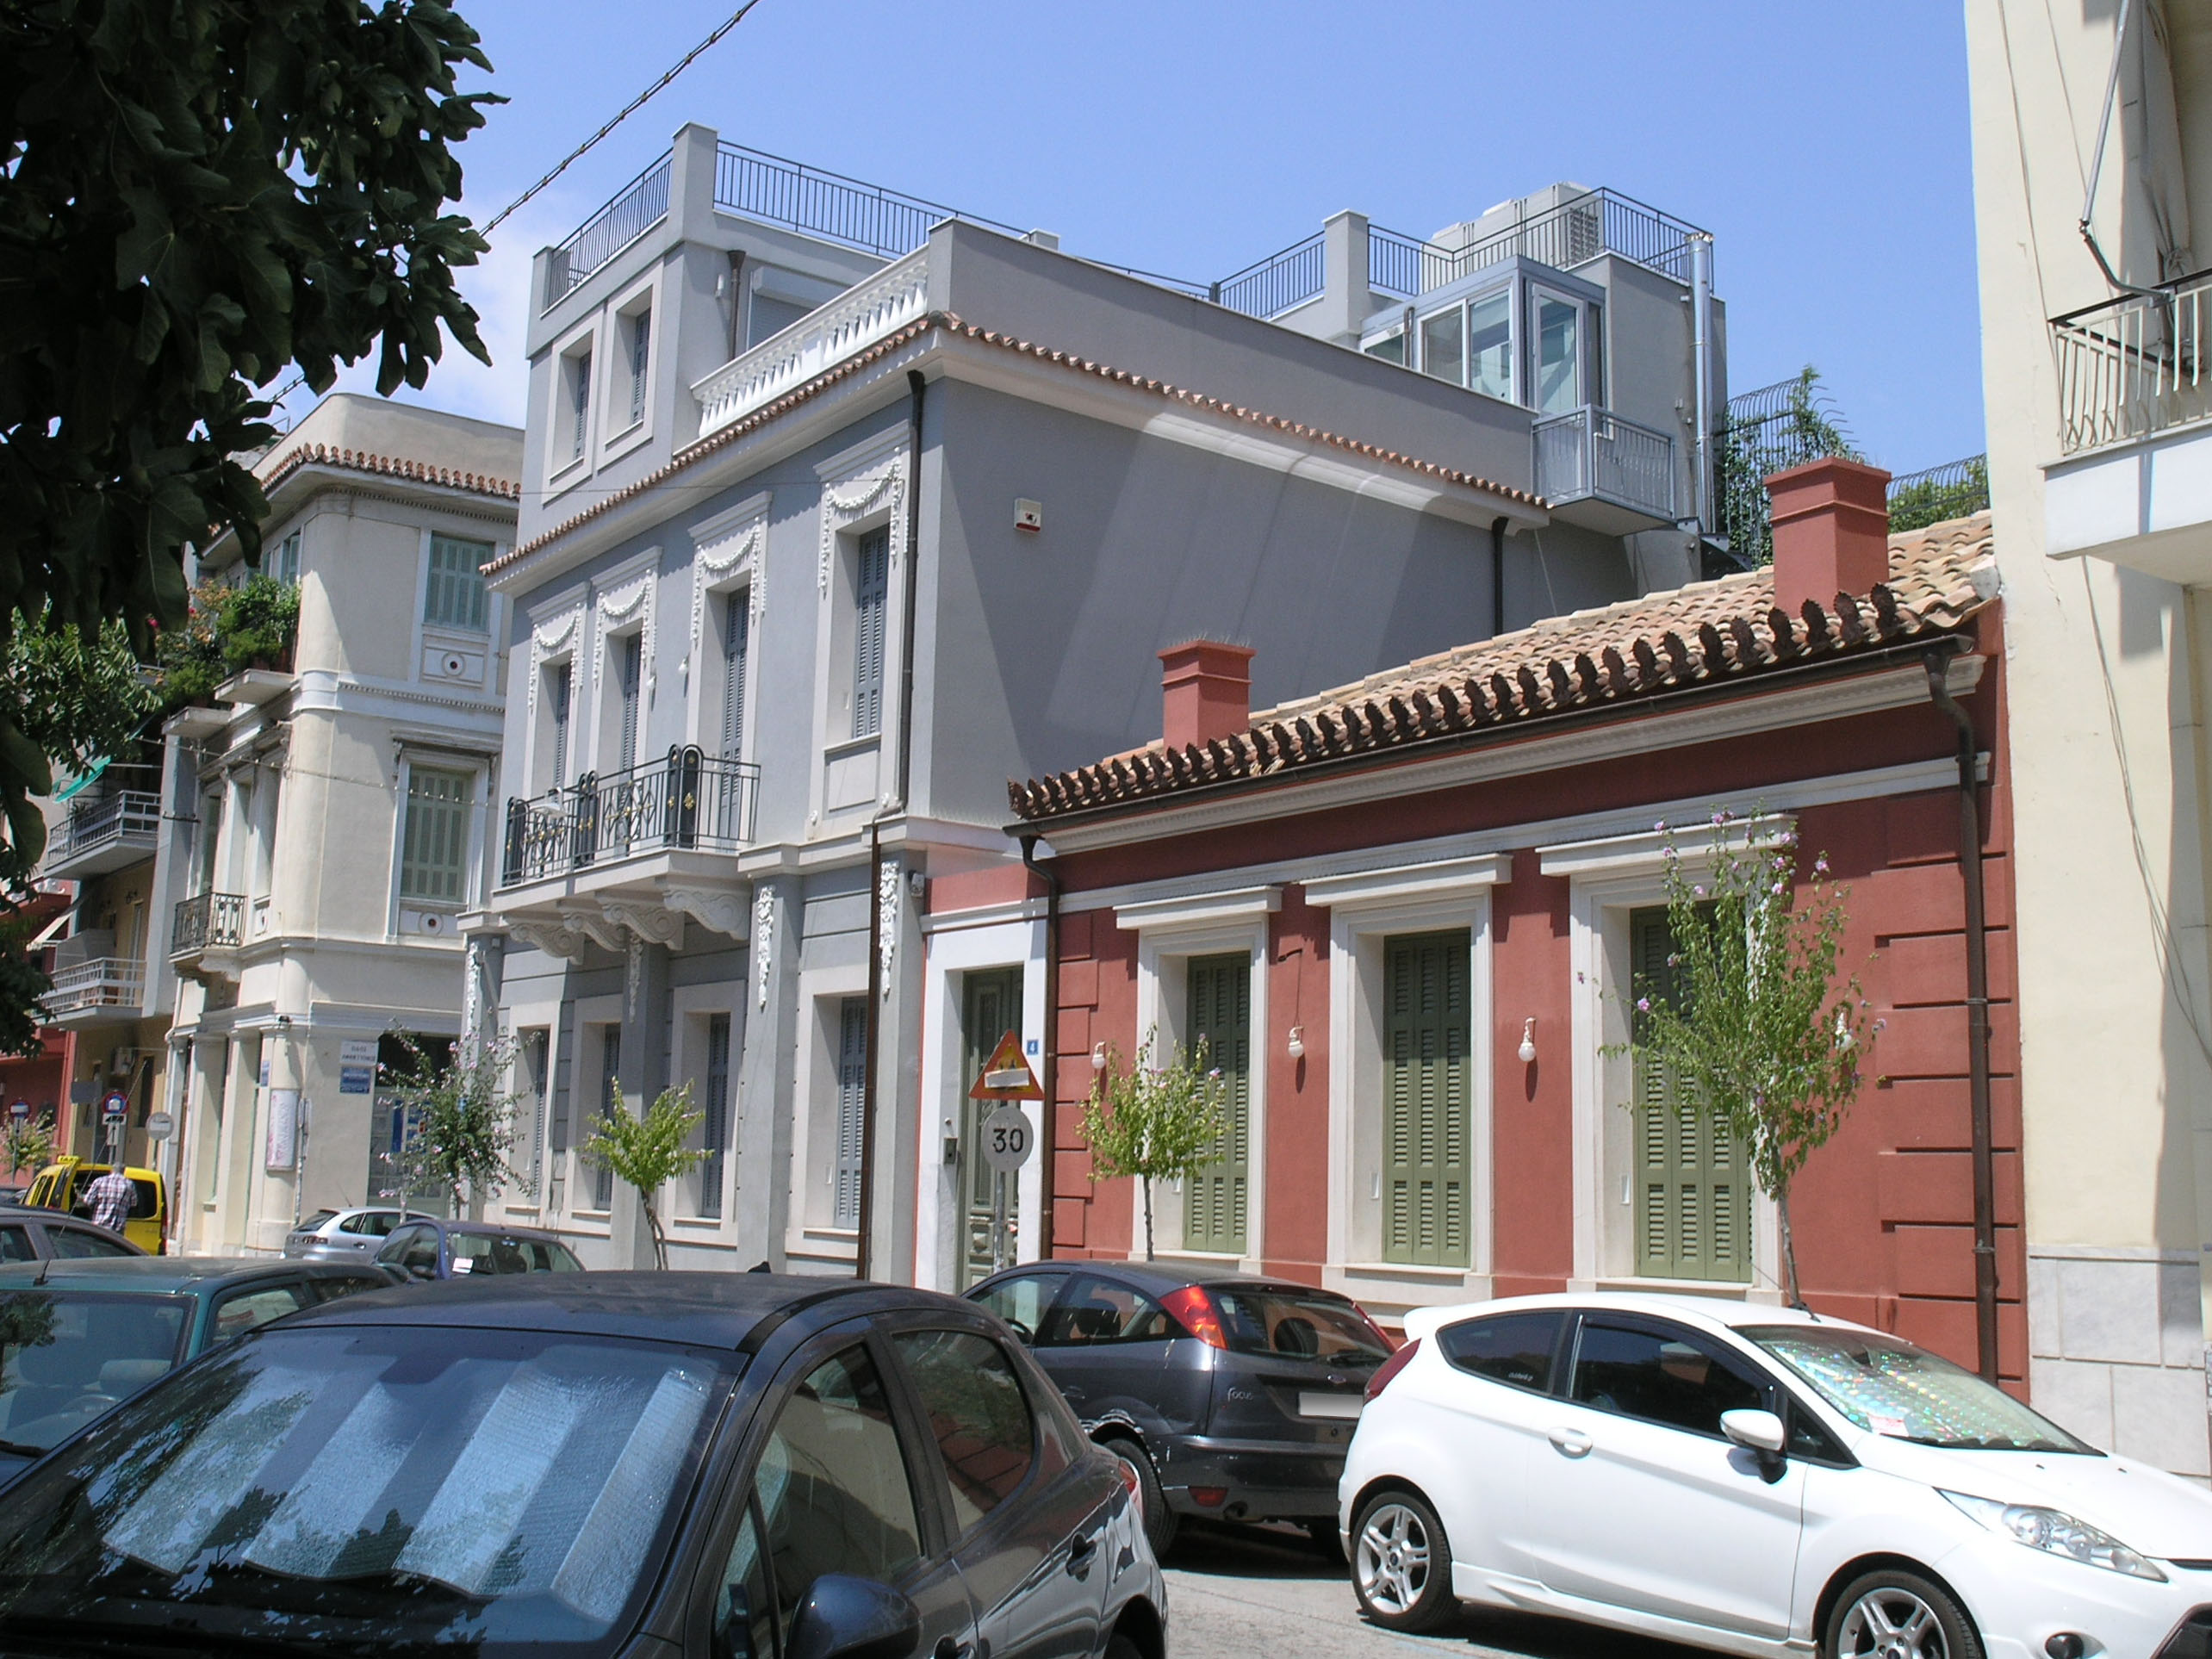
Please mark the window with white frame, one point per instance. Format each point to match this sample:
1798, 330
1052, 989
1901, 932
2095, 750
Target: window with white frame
574, 392
454, 596
736, 651
625, 668
434, 838
1526, 340
559, 694
284, 563
852, 1094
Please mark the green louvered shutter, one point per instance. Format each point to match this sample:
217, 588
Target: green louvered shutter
1692, 1188
1426, 1092
1217, 1198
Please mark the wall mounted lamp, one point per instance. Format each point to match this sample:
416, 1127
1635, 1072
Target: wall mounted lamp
1528, 1042
1297, 1042
1098, 1055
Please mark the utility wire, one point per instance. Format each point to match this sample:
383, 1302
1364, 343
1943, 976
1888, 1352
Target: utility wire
628, 110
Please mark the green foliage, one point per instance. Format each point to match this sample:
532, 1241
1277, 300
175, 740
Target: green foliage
1157, 1125
1769, 432
22, 982
1749, 1018
77, 703
1936, 497
462, 1119
226, 629
647, 1153
28, 1144
196, 197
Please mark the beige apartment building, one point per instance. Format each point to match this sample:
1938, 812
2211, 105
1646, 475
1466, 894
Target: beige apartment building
334, 814
2092, 138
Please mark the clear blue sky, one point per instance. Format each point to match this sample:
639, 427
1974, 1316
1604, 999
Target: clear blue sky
1825, 145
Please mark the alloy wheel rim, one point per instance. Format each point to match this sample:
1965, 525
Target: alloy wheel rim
1393, 1559
1891, 1623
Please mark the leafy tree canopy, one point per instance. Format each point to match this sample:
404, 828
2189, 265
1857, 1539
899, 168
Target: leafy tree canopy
197, 197
647, 1153
1155, 1124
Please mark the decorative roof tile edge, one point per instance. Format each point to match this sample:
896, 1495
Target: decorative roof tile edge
390, 466
1689, 637
951, 323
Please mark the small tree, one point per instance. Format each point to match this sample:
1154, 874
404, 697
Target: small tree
27, 1144
1748, 1018
463, 1123
1155, 1125
647, 1153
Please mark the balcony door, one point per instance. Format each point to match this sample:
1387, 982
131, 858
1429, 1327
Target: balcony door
1562, 340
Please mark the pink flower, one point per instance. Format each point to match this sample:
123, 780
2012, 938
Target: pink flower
1644, 1004
1660, 828
1882, 1025
1697, 893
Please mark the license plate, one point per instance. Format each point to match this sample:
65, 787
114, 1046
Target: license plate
1341, 1407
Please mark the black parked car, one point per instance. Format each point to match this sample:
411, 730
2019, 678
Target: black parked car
426, 1249
729, 1466
40, 1235
1230, 1396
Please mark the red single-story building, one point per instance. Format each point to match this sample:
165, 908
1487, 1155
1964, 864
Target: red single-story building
1403, 913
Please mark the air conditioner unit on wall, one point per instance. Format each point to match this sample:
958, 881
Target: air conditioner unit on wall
121, 1060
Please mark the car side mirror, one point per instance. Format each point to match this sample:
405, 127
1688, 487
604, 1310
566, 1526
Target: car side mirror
848, 1617
1759, 1432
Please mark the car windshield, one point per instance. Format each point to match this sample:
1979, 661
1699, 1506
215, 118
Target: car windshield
1892, 1387
65, 1359
371, 1489
1310, 1326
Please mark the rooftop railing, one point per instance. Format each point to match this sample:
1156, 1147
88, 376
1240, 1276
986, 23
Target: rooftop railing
686, 800
775, 191
637, 208
2133, 366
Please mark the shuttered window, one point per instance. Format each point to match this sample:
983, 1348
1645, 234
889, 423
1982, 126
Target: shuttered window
434, 841
455, 597
610, 1091
629, 654
641, 355
737, 646
870, 593
1216, 1196
1426, 1099
1691, 1187
852, 1079
714, 1138
559, 692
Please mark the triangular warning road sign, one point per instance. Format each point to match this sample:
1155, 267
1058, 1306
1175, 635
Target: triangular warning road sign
1006, 1074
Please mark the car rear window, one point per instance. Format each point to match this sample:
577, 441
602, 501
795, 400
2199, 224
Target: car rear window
373, 1487
65, 1359
1510, 1348
316, 1222
1299, 1325
483, 1252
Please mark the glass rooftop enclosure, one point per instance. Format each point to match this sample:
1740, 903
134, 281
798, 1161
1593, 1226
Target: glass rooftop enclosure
1587, 310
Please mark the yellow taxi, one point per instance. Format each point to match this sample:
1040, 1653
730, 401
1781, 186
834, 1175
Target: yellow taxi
63, 1185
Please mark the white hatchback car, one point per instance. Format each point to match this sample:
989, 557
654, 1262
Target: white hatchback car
1756, 1481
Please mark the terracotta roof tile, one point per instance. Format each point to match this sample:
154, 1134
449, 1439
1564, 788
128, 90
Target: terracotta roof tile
951, 323
1704, 634
390, 466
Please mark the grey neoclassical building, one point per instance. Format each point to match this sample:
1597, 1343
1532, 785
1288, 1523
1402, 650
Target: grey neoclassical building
840, 509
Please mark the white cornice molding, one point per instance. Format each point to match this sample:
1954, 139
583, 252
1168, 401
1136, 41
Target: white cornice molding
1456, 878
1589, 744
1649, 851
1203, 910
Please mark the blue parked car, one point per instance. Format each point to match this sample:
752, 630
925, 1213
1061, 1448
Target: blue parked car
427, 1249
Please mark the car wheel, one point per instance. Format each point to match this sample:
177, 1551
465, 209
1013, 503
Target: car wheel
1895, 1614
1121, 1647
1161, 1523
1401, 1564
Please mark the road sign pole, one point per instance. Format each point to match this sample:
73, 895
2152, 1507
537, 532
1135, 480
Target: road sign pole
998, 1221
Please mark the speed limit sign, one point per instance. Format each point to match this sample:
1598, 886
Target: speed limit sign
1007, 1139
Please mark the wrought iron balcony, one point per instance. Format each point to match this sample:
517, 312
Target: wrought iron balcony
105, 832
1592, 455
2131, 367
688, 800
207, 922
83, 990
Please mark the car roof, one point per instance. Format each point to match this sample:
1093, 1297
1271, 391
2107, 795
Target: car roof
709, 1309
1160, 1278
490, 1229
164, 1274
1725, 1314
61, 1218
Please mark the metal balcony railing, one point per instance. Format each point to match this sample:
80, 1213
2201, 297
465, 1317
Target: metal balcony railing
1282, 281
1591, 452
686, 800
2133, 366
207, 921
127, 817
636, 208
116, 982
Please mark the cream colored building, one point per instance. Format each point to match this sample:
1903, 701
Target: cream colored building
338, 812
2099, 403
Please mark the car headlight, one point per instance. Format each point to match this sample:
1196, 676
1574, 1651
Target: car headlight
2059, 1533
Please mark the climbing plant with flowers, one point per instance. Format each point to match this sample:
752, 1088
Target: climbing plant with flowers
1750, 1017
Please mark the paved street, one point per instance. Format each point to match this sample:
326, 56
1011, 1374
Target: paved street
1237, 1592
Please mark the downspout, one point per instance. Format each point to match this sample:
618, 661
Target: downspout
1498, 575
918, 386
1048, 1071
1970, 871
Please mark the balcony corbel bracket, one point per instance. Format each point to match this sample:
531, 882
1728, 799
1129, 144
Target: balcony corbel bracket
594, 925
653, 923
550, 937
711, 908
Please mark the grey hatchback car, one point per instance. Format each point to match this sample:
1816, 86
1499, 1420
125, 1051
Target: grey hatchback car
346, 1235
1231, 1397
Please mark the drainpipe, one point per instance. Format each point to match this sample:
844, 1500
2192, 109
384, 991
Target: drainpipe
1498, 575
1048, 1073
1970, 871
1701, 367
918, 386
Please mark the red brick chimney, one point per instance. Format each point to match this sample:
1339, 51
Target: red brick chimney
1831, 531
1205, 690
